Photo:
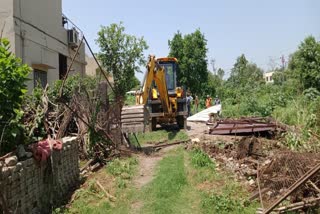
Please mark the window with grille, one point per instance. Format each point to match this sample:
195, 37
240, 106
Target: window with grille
40, 78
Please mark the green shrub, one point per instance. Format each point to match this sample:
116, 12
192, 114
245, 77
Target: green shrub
13, 75
201, 159
222, 204
120, 167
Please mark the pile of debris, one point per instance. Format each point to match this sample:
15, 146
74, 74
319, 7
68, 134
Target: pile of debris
240, 157
270, 171
89, 115
280, 176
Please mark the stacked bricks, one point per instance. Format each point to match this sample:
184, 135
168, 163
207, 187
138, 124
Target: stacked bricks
32, 187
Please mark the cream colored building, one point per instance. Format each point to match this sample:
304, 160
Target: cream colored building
39, 37
92, 68
268, 77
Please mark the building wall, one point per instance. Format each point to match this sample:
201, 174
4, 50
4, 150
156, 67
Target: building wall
268, 77
6, 21
91, 67
37, 36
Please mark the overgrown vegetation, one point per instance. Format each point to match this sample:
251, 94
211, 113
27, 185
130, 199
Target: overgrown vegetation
201, 159
293, 98
123, 170
116, 177
22, 116
222, 203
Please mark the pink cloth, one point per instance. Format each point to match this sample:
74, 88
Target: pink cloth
42, 151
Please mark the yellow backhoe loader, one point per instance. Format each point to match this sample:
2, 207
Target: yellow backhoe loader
160, 101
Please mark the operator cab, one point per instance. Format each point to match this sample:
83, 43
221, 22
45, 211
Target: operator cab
170, 65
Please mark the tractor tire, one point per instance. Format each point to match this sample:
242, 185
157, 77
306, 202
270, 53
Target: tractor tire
182, 122
153, 124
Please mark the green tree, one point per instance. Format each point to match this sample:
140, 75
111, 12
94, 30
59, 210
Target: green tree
245, 74
191, 52
220, 73
304, 64
13, 75
121, 54
134, 84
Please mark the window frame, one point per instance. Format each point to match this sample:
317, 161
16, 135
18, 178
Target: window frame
40, 75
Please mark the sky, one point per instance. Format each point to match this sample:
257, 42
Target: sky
262, 30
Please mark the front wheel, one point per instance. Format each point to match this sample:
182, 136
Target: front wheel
153, 124
182, 122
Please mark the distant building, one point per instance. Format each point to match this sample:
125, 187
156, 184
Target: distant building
41, 37
92, 68
268, 77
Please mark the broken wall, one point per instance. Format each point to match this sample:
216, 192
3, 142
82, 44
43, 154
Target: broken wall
32, 187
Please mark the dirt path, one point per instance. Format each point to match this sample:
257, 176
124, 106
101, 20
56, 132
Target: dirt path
146, 171
147, 166
196, 129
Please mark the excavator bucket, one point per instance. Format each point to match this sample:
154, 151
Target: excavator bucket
134, 119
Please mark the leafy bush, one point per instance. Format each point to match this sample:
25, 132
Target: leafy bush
222, 204
311, 94
123, 170
201, 159
119, 167
13, 75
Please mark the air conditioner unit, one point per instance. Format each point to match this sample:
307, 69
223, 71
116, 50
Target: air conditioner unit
73, 38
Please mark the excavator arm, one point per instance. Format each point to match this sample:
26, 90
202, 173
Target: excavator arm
157, 74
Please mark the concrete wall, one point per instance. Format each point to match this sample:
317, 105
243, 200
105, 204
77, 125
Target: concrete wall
31, 187
37, 36
6, 21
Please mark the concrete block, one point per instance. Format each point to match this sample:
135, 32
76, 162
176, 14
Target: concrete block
18, 167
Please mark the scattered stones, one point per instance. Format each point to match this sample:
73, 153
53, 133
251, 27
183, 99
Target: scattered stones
6, 172
18, 167
21, 152
252, 182
11, 161
267, 162
29, 154
195, 140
